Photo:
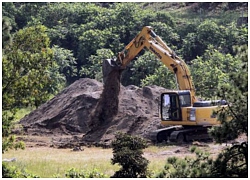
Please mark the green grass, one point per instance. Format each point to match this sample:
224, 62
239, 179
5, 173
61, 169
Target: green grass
183, 13
47, 162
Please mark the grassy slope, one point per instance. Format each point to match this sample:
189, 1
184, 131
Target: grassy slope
50, 162
184, 12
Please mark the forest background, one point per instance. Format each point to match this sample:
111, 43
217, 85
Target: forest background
76, 37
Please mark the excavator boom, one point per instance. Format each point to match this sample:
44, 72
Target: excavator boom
186, 118
148, 39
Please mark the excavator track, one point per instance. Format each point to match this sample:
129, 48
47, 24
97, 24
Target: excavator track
180, 134
163, 134
188, 134
180, 109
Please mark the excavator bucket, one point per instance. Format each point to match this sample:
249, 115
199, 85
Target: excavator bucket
108, 66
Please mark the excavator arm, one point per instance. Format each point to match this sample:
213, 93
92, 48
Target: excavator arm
148, 39
187, 120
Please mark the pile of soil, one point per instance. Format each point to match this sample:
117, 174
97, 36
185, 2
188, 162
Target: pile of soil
108, 104
81, 110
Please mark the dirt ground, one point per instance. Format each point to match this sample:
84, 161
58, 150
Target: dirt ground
78, 115
70, 116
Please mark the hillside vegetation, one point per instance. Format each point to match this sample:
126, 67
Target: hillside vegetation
81, 35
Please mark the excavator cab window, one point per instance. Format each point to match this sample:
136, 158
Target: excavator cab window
170, 107
185, 100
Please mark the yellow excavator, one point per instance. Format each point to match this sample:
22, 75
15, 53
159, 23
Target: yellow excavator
184, 116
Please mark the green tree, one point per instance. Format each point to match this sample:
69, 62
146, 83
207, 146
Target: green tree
65, 67
232, 162
189, 167
6, 37
233, 36
196, 42
26, 11
90, 41
9, 171
127, 152
94, 68
236, 93
7, 118
167, 33
9, 13
126, 21
26, 80
211, 70
161, 77
141, 67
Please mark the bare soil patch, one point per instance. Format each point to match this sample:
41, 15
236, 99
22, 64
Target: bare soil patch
76, 113
86, 113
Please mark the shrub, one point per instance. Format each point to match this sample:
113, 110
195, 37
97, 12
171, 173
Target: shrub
188, 167
9, 171
75, 173
127, 152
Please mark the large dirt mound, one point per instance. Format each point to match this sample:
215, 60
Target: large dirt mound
71, 112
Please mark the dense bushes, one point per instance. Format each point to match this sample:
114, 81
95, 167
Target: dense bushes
9, 171
84, 28
75, 173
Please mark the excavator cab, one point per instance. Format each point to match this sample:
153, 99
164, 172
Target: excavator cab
171, 104
178, 108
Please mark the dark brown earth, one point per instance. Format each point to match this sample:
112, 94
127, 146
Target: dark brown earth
108, 104
90, 113
78, 115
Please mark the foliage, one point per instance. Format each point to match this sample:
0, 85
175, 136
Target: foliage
211, 70
26, 77
196, 42
65, 65
229, 163
167, 33
93, 69
236, 94
56, 43
85, 27
9, 140
75, 173
233, 35
127, 152
148, 70
9, 171
144, 65
6, 37
188, 167
9, 13
161, 77
232, 162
